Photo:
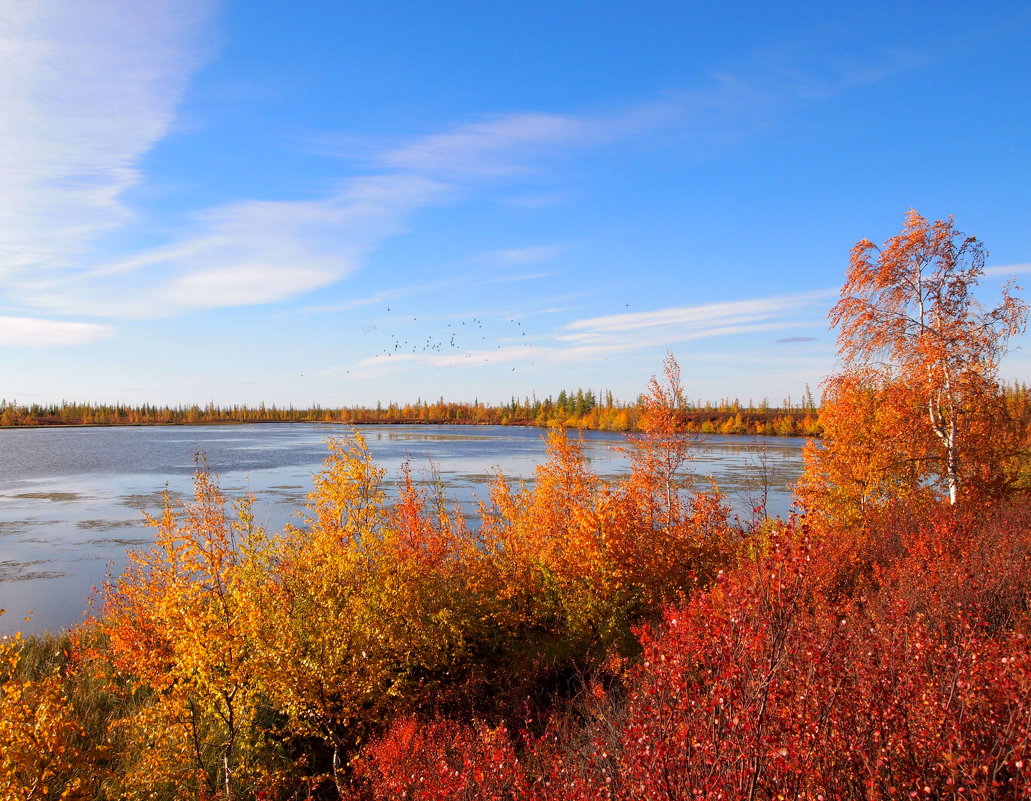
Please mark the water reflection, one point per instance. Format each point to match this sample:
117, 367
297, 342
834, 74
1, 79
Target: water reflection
71, 500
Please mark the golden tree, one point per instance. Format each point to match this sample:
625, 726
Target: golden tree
175, 629
367, 612
909, 324
658, 454
40, 757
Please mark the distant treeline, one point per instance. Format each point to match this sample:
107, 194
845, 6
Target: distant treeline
579, 409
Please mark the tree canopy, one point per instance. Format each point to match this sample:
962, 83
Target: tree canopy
917, 403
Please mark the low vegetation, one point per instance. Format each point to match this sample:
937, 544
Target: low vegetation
573, 410
587, 639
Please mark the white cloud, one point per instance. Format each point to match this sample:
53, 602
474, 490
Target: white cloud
596, 337
1006, 270
681, 323
479, 357
242, 254
725, 110
86, 89
384, 296
491, 147
33, 332
243, 285
586, 347
521, 255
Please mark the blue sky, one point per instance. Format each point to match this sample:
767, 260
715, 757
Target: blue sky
340, 203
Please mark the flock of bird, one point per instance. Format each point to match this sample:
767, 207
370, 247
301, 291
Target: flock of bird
458, 336
457, 339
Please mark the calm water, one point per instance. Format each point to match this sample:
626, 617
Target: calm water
72, 500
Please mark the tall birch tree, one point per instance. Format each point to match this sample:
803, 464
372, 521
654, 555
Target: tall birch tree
908, 312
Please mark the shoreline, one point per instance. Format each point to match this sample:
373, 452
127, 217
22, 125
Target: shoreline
711, 417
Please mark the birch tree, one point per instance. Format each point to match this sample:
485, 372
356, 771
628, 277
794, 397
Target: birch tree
908, 312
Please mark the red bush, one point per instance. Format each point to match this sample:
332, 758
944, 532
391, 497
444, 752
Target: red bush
440, 761
777, 684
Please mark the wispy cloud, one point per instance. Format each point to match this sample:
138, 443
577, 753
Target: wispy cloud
33, 332
89, 88
86, 90
598, 337
243, 254
493, 146
1008, 269
533, 254
682, 323
386, 295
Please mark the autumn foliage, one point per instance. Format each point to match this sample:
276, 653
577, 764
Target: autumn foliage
578, 638
797, 678
40, 735
917, 406
582, 409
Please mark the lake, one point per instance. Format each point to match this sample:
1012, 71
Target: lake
72, 499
